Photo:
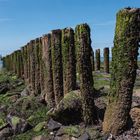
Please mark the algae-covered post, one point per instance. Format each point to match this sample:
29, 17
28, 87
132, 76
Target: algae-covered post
48, 75
98, 61
3, 62
41, 65
37, 67
18, 63
25, 66
83, 51
14, 61
32, 65
7, 62
21, 64
123, 75
69, 60
92, 60
106, 60
57, 65
28, 64
10, 62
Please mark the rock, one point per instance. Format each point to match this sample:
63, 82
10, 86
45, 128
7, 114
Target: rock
138, 72
53, 125
73, 138
40, 138
84, 136
5, 133
64, 137
52, 133
101, 107
131, 134
41, 100
20, 83
26, 105
135, 101
3, 108
72, 131
108, 137
25, 92
69, 110
135, 115
17, 124
14, 98
3, 88
60, 132
3, 124
135, 104
39, 126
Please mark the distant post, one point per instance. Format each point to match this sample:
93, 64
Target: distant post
92, 60
106, 60
97, 59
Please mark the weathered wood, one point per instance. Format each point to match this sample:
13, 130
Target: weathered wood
69, 60
48, 74
57, 65
83, 51
123, 75
98, 61
106, 60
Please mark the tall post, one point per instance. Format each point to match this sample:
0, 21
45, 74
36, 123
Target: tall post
28, 64
69, 60
25, 67
37, 67
42, 67
49, 91
57, 65
98, 61
84, 67
106, 60
123, 75
32, 65
92, 60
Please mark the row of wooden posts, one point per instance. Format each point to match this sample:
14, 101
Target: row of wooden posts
18, 56
51, 64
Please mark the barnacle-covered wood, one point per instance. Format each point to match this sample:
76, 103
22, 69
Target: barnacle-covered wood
106, 60
49, 91
69, 60
42, 71
37, 67
97, 59
32, 65
84, 67
57, 65
123, 75
92, 59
